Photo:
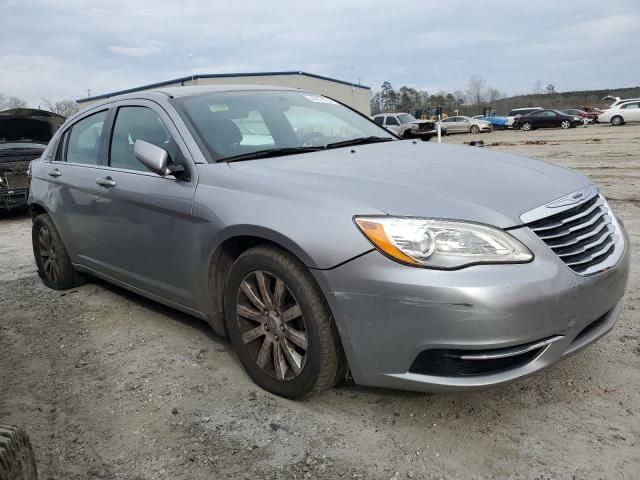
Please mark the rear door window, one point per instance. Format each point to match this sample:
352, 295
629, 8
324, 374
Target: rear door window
391, 121
85, 139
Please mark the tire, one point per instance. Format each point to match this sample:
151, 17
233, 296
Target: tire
527, 126
474, 129
278, 362
17, 461
565, 124
617, 121
407, 134
53, 262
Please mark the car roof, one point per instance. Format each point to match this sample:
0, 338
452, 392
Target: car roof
389, 113
629, 100
177, 92
527, 108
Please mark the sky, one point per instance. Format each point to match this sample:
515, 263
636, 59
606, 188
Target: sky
60, 49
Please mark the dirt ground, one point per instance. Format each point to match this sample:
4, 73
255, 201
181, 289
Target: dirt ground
113, 386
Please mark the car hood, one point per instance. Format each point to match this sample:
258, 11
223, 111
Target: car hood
408, 178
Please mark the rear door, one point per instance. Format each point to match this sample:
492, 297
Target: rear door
631, 112
146, 218
72, 195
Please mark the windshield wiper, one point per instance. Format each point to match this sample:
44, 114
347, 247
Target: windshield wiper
270, 152
358, 141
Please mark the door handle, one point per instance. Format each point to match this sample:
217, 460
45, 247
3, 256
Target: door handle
106, 182
55, 172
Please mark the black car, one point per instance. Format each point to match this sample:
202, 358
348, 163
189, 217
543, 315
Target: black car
24, 134
547, 119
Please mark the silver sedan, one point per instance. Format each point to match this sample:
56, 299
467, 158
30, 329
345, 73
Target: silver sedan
462, 124
317, 242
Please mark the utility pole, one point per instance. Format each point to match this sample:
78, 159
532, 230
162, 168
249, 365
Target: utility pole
190, 57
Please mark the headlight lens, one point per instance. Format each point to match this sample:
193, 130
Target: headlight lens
441, 244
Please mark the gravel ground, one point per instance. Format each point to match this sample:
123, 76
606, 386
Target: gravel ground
113, 386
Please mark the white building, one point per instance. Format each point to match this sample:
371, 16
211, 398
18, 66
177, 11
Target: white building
354, 95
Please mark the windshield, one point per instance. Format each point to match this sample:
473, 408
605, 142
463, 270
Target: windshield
233, 124
406, 118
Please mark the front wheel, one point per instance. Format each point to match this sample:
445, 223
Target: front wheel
280, 325
565, 124
527, 126
617, 121
475, 129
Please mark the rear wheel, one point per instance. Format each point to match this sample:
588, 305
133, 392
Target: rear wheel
617, 121
17, 461
565, 124
526, 126
53, 262
475, 129
280, 326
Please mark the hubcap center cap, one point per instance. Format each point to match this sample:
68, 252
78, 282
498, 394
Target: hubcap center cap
273, 323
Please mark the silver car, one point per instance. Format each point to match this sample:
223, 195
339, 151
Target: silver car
317, 242
462, 124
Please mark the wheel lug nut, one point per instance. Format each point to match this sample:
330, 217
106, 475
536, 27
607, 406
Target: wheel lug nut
266, 327
276, 313
282, 328
276, 337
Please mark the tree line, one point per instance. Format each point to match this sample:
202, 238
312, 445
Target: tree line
480, 95
463, 102
65, 108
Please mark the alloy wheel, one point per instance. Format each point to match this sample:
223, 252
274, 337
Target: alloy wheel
272, 326
565, 124
526, 127
48, 254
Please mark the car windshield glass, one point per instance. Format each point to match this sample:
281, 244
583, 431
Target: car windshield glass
238, 123
406, 118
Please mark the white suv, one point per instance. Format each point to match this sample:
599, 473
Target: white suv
406, 126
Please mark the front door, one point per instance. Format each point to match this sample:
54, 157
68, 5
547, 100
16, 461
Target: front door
147, 221
392, 123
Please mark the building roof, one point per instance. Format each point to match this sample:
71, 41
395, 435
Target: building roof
216, 75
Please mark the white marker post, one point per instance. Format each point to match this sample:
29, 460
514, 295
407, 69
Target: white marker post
439, 129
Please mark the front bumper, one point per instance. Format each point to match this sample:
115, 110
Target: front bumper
13, 198
388, 314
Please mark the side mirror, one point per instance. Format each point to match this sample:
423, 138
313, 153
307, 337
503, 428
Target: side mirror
154, 158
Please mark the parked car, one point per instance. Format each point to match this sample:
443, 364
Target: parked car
622, 113
618, 101
518, 112
587, 117
462, 124
24, 134
406, 125
498, 123
547, 119
419, 266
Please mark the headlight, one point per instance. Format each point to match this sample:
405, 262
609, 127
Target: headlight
579, 119
441, 244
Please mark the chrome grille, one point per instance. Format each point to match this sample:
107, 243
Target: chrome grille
583, 236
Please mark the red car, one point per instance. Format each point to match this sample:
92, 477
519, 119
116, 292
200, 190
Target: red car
588, 117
